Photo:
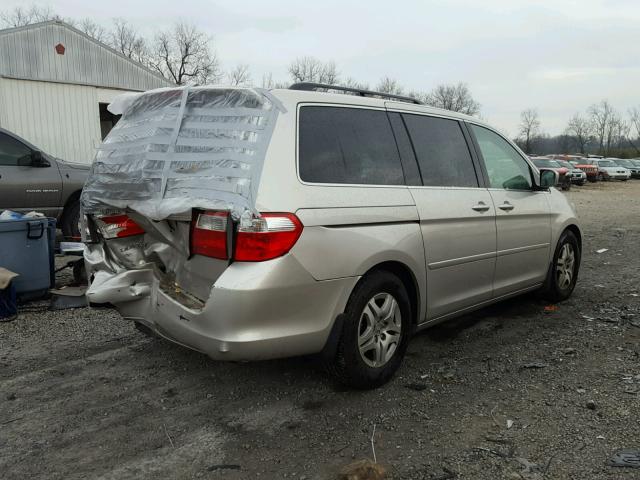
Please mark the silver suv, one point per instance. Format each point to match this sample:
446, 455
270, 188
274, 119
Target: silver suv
249, 224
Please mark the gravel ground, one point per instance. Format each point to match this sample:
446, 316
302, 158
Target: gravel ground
518, 390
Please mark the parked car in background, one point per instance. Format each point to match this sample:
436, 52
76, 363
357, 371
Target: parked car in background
324, 252
31, 179
575, 174
582, 163
608, 169
590, 170
629, 165
564, 179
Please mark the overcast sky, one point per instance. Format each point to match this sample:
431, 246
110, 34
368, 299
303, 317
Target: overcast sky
558, 56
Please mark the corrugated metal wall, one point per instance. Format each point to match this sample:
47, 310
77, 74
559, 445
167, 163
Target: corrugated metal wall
29, 53
61, 119
52, 100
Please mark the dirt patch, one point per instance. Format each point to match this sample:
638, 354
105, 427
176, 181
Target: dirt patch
514, 391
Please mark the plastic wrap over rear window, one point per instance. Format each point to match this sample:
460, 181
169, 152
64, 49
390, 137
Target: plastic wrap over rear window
348, 146
182, 148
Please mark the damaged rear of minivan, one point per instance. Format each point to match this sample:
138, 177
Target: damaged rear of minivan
174, 238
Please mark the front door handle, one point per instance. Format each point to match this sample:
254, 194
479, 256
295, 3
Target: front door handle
506, 206
481, 207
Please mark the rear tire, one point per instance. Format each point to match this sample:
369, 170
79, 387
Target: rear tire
70, 221
375, 333
563, 272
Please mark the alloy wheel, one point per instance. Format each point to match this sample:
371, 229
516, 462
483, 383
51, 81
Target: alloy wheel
379, 330
565, 266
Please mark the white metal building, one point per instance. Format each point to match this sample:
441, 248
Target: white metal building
55, 85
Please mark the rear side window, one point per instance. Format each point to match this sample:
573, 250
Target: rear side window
347, 145
442, 152
12, 150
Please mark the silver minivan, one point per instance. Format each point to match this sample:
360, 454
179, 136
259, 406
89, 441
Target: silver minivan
250, 224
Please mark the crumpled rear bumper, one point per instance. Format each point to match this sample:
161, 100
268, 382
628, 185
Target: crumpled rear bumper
255, 311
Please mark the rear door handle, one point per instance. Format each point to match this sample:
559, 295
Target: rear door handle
506, 206
481, 207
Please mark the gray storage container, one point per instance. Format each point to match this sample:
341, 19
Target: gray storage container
25, 249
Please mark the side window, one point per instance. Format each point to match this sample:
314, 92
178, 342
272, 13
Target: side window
347, 145
442, 152
11, 150
506, 168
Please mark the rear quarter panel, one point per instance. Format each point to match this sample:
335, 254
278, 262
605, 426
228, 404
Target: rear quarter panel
348, 229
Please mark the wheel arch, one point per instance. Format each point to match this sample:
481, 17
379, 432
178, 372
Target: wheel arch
573, 228
70, 199
408, 279
411, 284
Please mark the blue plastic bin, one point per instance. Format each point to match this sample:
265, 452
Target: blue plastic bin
26, 249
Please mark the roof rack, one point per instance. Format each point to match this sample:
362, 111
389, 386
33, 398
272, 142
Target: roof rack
314, 87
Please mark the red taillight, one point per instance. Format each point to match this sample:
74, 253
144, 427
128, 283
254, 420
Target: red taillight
117, 226
266, 237
269, 236
209, 234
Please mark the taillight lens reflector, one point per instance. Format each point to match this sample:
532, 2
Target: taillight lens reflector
269, 236
209, 234
117, 226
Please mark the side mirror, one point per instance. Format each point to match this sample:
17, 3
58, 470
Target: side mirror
37, 160
25, 161
548, 178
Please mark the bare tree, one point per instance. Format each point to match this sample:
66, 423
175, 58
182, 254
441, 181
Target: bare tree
600, 115
389, 85
239, 76
610, 129
91, 28
267, 80
269, 83
184, 56
126, 40
21, 16
615, 133
580, 129
456, 98
351, 82
529, 128
634, 128
310, 69
418, 95
634, 120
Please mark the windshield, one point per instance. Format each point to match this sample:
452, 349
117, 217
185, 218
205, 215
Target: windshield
565, 164
606, 163
544, 163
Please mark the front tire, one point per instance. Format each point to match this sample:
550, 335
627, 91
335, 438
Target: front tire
70, 223
563, 272
375, 332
